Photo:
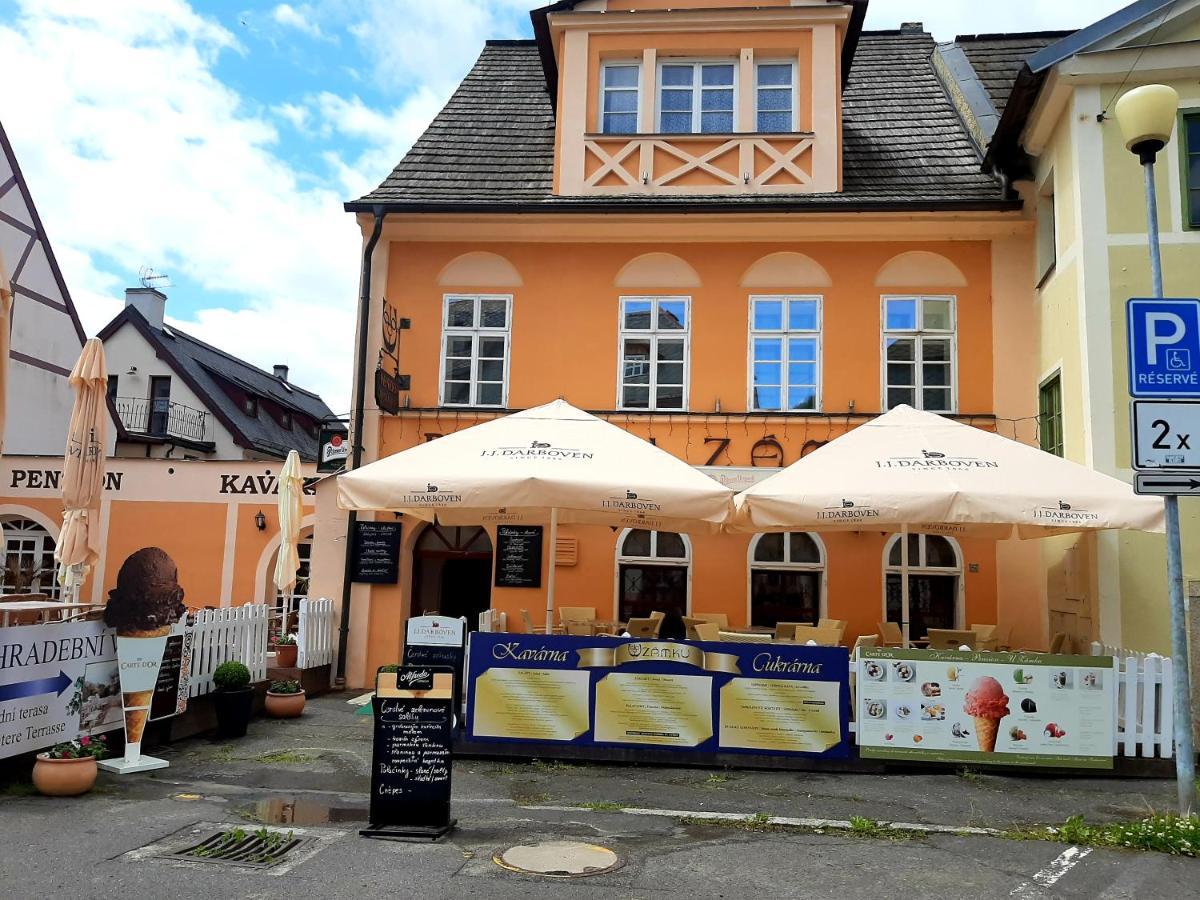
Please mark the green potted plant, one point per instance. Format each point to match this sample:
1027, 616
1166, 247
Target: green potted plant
285, 651
233, 699
285, 699
69, 769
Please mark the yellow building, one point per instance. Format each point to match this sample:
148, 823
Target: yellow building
1053, 136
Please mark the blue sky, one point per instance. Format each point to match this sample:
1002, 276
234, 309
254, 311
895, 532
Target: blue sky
215, 141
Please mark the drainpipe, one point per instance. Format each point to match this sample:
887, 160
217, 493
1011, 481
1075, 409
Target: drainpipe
356, 447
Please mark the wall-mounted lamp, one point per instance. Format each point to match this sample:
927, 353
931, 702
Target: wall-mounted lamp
260, 521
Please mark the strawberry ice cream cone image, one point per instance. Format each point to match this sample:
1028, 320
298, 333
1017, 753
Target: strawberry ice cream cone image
988, 704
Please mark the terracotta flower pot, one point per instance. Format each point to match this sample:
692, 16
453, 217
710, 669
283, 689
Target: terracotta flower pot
64, 777
285, 655
284, 706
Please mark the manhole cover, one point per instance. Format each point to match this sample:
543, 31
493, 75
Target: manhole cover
558, 859
260, 848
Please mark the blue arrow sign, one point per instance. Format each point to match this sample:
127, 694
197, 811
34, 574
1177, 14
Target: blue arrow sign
33, 688
1164, 348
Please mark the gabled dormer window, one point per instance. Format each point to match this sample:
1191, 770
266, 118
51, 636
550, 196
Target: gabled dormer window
619, 98
775, 89
696, 97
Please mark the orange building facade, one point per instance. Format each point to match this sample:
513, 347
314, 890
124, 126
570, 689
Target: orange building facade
726, 236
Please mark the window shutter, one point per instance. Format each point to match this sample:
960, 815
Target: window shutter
566, 551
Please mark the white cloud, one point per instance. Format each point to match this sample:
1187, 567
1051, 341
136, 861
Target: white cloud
294, 113
299, 18
135, 154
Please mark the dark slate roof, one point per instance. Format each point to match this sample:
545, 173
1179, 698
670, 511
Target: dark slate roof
997, 58
204, 367
492, 147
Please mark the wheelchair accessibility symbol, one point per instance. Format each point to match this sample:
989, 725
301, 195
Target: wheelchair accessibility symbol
1179, 360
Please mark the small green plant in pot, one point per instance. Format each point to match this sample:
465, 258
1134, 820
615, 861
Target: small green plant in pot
233, 699
285, 699
69, 769
286, 650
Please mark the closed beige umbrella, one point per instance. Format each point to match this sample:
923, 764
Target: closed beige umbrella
291, 491
549, 464
83, 468
6, 301
913, 470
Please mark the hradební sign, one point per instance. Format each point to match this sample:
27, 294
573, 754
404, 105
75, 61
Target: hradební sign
1164, 347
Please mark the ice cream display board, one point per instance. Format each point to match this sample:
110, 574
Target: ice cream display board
1012, 709
685, 696
56, 683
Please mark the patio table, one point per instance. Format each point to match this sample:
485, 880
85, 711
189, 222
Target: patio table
44, 609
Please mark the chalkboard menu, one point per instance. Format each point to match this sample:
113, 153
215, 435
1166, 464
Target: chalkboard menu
170, 691
376, 552
411, 762
519, 556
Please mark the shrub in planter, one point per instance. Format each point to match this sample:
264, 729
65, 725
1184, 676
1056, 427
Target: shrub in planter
233, 700
285, 699
286, 651
69, 769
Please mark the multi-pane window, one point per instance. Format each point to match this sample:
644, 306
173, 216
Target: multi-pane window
652, 573
785, 579
775, 97
475, 350
654, 352
28, 565
1050, 416
696, 98
619, 99
785, 353
919, 352
1191, 168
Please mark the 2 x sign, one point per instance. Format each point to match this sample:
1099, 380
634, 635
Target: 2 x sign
1164, 348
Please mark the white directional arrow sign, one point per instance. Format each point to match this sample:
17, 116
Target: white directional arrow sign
1167, 484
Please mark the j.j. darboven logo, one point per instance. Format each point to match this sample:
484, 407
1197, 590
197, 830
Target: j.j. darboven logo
847, 511
1064, 513
431, 495
934, 460
537, 450
631, 502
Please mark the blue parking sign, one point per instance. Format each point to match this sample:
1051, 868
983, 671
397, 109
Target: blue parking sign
1164, 348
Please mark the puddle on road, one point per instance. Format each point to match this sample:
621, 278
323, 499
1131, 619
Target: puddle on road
304, 811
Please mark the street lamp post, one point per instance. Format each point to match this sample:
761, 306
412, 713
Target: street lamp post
1146, 116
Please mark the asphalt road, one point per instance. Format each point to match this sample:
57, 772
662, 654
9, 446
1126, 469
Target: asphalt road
311, 775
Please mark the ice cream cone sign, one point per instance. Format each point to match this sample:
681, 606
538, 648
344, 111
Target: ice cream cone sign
988, 704
142, 608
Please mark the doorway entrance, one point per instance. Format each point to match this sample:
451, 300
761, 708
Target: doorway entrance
452, 573
934, 584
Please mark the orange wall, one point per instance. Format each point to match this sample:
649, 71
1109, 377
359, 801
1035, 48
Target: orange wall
565, 318
192, 534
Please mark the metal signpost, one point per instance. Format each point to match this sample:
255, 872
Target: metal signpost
1164, 363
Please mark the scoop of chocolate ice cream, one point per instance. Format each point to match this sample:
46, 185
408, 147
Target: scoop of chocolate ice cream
147, 594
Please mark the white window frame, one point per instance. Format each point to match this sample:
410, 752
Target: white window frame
620, 63
795, 88
783, 335
919, 567
475, 333
652, 560
697, 91
653, 334
917, 335
821, 566
45, 542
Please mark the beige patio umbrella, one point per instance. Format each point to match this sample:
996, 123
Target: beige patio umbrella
83, 468
917, 471
6, 302
549, 464
287, 562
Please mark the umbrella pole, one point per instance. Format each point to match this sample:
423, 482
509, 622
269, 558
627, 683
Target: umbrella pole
550, 573
904, 587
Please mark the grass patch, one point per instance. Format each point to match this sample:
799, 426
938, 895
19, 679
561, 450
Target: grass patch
603, 806
552, 765
288, 757
860, 826
971, 775
18, 789
530, 798
716, 779
864, 827
1169, 834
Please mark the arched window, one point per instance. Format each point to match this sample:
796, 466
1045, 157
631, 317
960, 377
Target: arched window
653, 570
787, 579
934, 583
29, 566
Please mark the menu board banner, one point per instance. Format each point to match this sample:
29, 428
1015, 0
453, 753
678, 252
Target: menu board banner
376, 552
56, 683
171, 689
690, 696
519, 556
1011, 709
411, 757
437, 641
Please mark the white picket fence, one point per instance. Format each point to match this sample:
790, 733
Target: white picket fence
315, 635
235, 633
1145, 702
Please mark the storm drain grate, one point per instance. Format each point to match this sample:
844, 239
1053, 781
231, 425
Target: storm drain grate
261, 848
